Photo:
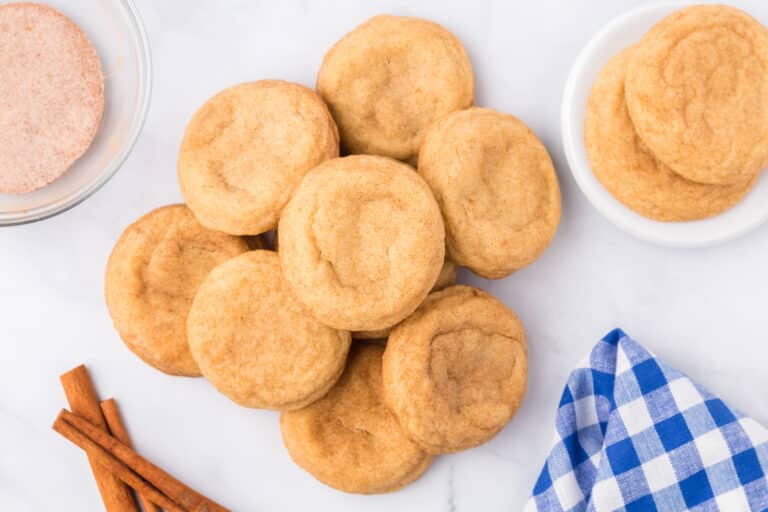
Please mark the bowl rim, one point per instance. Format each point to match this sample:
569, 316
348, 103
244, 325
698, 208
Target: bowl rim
73, 199
616, 213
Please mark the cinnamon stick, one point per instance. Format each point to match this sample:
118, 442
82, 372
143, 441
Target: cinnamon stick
117, 428
117, 497
132, 468
106, 459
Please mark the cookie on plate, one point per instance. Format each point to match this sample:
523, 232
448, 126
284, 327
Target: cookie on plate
348, 439
362, 242
455, 371
496, 187
629, 171
391, 77
51, 95
247, 148
697, 92
446, 278
255, 342
152, 276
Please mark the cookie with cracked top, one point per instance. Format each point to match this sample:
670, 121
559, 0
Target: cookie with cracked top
348, 439
152, 276
630, 172
361, 242
697, 92
246, 149
389, 78
256, 343
497, 189
455, 372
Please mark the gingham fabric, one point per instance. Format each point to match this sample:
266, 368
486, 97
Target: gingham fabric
633, 434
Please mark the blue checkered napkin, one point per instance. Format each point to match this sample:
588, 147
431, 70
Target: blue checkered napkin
633, 434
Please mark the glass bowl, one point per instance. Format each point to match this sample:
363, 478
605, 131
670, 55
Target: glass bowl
116, 30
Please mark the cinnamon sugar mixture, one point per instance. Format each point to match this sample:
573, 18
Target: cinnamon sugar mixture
51, 95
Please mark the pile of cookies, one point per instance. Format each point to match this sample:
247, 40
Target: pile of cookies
368, 249
677, 125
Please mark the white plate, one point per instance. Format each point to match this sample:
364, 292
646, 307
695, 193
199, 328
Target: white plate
611, 39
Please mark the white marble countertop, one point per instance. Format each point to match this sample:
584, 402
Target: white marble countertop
704, 311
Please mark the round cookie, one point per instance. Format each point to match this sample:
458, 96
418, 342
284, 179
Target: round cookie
446, 278
454, 372
247, 148
630, 172
152, 276
348, 439
361, 242
496, 187
51, 95
255, 343
697, 92
389, 78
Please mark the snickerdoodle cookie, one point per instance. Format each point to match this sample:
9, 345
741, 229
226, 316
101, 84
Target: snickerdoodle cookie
697, 92
51, 95
152, 276
389, 78
255, 342
454, 372
247, 148
348, 439
361, 242
496, 187
630, 172
446, 278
